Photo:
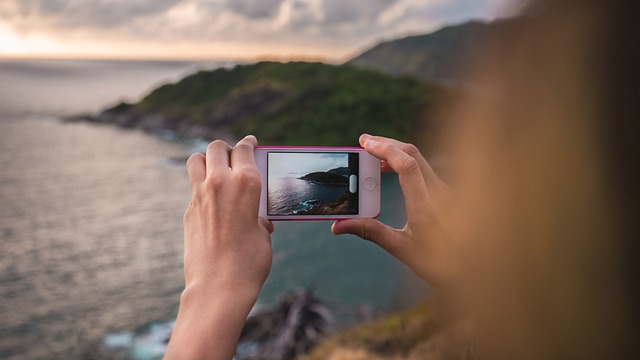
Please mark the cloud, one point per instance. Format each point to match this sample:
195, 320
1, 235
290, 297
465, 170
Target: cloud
254, 9
340, 11
30, 15
338, 24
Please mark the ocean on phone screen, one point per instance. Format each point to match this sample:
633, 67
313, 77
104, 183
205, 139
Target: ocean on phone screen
291, 195
91, 217
301, 181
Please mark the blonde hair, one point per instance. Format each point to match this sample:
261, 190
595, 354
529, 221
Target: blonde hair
544, 225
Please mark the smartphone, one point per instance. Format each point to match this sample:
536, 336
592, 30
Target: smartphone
318, 183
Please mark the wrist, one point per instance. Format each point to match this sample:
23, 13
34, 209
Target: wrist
201, 297
210, 320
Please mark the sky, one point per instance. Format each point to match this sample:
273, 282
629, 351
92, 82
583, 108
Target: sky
329, 30
299, 164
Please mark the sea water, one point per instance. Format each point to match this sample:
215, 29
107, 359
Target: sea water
91, 218
289, 195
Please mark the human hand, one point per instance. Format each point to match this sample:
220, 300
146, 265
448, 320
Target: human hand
422, 244
227, 246
227, 252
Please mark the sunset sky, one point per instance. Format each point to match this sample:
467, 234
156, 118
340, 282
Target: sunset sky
332, 30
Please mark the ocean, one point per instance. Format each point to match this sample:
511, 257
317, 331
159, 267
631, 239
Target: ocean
91, 217
288, 195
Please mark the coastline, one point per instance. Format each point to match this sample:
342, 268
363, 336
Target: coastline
348, 278
158, 124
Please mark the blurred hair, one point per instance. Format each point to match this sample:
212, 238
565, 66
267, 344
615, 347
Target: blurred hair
547, 167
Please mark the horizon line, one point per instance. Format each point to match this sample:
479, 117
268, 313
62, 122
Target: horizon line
239, 60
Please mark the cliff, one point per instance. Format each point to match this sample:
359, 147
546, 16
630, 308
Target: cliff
326, 178
441, 56
295, 103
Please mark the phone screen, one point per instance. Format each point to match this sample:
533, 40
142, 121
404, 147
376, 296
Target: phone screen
312, 183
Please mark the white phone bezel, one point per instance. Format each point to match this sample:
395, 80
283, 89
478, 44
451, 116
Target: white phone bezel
369, 168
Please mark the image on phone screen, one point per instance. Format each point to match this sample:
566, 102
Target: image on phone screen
312, 183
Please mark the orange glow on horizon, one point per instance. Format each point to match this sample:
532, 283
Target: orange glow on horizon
19, 46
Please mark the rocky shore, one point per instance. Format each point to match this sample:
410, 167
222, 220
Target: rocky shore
127, 116
282, 103
337, 207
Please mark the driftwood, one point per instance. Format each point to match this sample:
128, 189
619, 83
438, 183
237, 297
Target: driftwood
291, 329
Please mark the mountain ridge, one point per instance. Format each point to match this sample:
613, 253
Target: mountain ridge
326, 178
292, 103
390, 90
439, 56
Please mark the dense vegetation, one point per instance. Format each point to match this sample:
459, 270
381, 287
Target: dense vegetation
384, 91
295, 103
411, 334
387, 90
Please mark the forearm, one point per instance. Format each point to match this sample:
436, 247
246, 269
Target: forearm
209, 325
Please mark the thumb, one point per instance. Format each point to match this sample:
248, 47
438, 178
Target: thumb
369, 229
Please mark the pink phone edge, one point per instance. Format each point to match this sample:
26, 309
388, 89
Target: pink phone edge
300, 147
294, 147
323, 219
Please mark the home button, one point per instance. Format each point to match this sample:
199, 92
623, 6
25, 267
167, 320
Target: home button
370, 183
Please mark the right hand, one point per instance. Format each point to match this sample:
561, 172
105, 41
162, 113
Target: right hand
423, 242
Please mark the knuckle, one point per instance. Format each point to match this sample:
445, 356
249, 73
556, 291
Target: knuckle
215, 182
217, 143
366, 233
249, 179
410, 166
386, 147
411, 150
243, 145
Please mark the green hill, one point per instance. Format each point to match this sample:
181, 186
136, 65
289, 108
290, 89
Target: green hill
295, 103
438, 56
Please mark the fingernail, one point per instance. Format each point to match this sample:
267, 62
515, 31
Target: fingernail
365, 136
370, 143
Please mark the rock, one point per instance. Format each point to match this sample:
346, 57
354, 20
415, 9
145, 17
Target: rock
291, 329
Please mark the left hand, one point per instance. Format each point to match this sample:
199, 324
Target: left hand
227, 246
227, 252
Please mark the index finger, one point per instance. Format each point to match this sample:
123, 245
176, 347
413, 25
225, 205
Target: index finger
430, 177
243, 154
411, 180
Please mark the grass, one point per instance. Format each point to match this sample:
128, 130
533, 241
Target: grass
393, 336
